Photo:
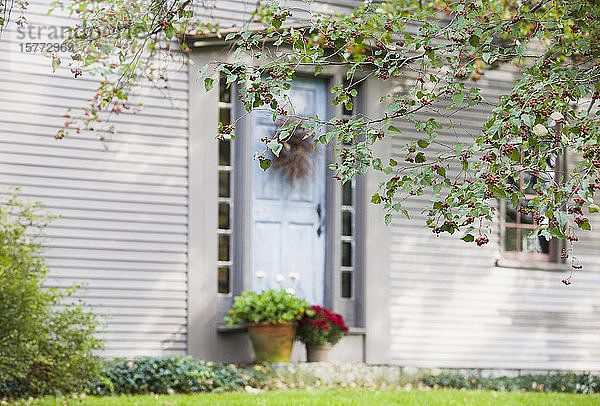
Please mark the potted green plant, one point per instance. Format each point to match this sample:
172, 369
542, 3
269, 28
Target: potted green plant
320, 329
271, 317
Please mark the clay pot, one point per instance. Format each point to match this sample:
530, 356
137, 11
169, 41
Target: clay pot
272, 342
318, 353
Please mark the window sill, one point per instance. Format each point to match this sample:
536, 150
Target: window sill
224, 328
532, 265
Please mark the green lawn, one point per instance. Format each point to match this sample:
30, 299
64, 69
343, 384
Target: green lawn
380, 397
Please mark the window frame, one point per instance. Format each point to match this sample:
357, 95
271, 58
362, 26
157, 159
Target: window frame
519, 255
240, 211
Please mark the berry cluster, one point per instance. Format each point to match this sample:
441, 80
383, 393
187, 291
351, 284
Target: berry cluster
383, 75
482, 240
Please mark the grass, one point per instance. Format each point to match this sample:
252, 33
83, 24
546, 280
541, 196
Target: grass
335, 397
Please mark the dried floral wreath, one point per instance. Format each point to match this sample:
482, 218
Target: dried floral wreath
295, 158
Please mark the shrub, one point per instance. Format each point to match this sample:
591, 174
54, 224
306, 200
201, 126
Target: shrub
174, 374
321, 326
45, 345
271, 306
560, 382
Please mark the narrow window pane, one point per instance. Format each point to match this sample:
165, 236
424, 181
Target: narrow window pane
347, 223
346, 284
347, 193
224, 216
511, 212
526, 216
224, 182
526, 244
225, 152
529, 181
510, 239
543, 245
223, 279
346, 253
223, 247
224, 92
225, 116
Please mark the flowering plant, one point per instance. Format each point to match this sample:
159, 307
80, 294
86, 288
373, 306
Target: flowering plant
270, 306
322, 326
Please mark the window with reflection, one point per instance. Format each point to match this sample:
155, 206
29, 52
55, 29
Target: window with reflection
520, 219
225, 209
347, 268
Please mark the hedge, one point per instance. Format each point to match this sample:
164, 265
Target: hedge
559, 382
174, 374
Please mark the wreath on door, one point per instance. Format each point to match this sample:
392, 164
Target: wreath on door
295, 158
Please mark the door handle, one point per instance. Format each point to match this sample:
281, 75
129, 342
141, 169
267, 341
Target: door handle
321, 220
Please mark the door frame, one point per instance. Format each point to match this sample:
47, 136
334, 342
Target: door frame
207, 335
242, 213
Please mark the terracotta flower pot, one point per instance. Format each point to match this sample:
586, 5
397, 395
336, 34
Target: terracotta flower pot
318, 353
272, 342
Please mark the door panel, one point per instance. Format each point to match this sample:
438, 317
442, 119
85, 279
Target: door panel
288, 219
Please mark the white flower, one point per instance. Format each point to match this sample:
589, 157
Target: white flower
294, 276
291, 291
556, 116
260, 274
540, 130
279, 278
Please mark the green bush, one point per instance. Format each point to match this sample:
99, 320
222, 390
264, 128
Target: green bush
45, 345
174, 374
560, 382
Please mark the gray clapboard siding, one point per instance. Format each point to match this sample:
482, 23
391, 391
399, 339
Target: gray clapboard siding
452, 307
123, 231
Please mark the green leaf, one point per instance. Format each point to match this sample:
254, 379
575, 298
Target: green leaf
318, 69
420, 158
515, 155
594, 208
458, 98
265, 164
275, 146
562, 218
422, 143
474, 40
468, 238
392, 130
585, 225
528, 119
55, 64
376, 198
208, 83
405, 213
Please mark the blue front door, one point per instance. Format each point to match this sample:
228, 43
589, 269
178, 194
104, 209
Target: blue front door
288, 217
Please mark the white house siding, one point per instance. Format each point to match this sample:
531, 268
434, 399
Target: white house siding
122, 233
452, 307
